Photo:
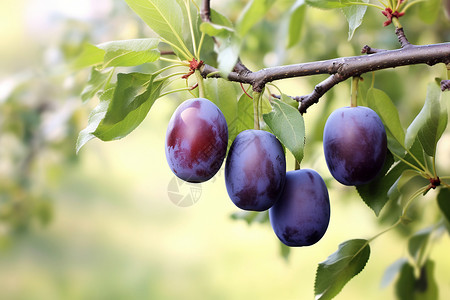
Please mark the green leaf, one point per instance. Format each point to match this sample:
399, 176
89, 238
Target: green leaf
244, 118
341, 266
443, 200
288, 126
429, 10
430, 123
133, 97
376, 193
95, 83
327, 4
128, 53
96, 116
417, 245
251, 216
426, 286
167, 19
252, 13
90, 56
392, 271
230, 45
404, 287
222, 93
288, 100
423, 288
296, 21
354, 15
285, 251
380, 102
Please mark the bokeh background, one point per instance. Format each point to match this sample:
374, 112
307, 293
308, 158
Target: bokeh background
104, 224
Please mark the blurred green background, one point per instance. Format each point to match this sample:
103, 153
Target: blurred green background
103, 224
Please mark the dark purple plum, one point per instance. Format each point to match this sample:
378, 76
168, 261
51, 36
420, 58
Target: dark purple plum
255, 170
301, 216
196, 140
355, 145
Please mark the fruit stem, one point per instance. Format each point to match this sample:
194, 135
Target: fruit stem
396, 23
297, 165
201, 86
354, 96
256, 100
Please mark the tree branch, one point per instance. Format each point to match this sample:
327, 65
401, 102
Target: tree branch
205, 11
343, 68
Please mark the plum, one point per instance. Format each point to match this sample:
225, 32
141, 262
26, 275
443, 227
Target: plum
196, 140
255, 170
355, 145
301, 216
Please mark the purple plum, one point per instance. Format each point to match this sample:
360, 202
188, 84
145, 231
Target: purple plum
355, 145
301, 216
255, 170
196, 140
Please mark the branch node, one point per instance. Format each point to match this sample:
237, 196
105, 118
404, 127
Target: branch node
404, 43
445, 85
369, 50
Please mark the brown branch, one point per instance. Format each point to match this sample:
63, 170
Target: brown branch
445, 85
205, 11
344, 67
319, 91
402, 37
369, 50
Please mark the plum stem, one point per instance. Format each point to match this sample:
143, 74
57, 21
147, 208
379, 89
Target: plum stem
354, 96
256, 100
201, 86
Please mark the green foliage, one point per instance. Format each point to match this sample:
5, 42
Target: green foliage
288, 126
253, 12
380, 102
341, 266
444, 202
297, 15
354, 15
167, 18
430, 123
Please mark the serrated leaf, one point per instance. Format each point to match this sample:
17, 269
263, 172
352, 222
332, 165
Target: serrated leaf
340, 267
133, 97
288, 100
430, 123
355, 15
90, 56
95, 83
417, 245
226, 101
443, 200
380, 102
296, 21
288, 126
244, 119
376, 193
327, 4
128, 53
95, 117
167, 19
253, 12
